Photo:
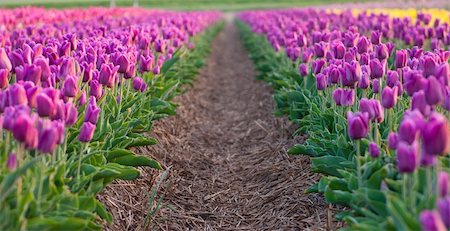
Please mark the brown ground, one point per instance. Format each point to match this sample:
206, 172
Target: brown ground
227, 152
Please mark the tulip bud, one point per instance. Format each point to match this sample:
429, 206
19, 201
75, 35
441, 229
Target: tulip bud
443, 184
86, 132
88, 72
317, 65
407, 157
389, 97
443, 73
18, 95
347, 97
31, 95
44, 105
44, 66
364, 82
82, 99
47, 140
374, 150
418, 102
70, 87
358, 125
382, 51
393, 140
377, 68
413, 82
11, 162
407, 131
428, 64
96, 89
376, 86
71, 114
303, 69
4, 81
375, 37
363, 44
392, 78
92, 112
124, 63
337, 96
321, 82
431, 221
434, 91
68, 68
400, 58
24, 131
435, 135
444, 210
5, 63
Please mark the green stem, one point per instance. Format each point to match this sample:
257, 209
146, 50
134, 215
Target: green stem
358, 163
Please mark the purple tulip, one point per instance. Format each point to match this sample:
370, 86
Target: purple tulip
407, 131
96, 89
5, 63
393, 140
444, 210
364, 82
86, 132
418, 102
337, 96
4, 81
389, 97
32, 93
18, 95
382, 51
413, 82
443, 183
363, 44
88, 72
431, 221
47, 140
376, 86
434, 91
443, 73
11, 162
24, 131
353, 74
374, 150
92, 112
43, 64
375, 37
407, 157
347, 97
303, 69
68, 68
70, 87
358, 125
317, 65
124, 64
338, 49
377, 68
321, 82
400, 58
71, 114
428, 63
392, 78
436, 135
45, 105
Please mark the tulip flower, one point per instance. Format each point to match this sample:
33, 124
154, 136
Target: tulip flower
400, 58
86, 132
317, 65
363, 44
337, 96
71, 114
96, 89
374, 150
44, 66
124, 63
18, 95
418, 102
5, 63
389, 97
45, 106
303, 69
92, 112
434, 91
68, 68
431, 221
407, 131
407, 157
47, 140
393, 140
11, 162
70, 87
24, 131
358, 125
382, 51
4, 81
347, 97
443, 184
375, 37
377, 68
444, 210
436, 135
429, 65
392, 78
413, 81
321, 82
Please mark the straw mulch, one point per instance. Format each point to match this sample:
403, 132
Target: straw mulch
229, 169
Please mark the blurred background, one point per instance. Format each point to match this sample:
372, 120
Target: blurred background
225, 5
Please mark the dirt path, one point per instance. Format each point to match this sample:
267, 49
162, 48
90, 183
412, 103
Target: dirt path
227, 152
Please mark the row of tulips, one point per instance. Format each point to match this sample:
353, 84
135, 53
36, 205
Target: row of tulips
372, 92
79, 88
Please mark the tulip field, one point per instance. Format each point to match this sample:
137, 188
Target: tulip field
79, 89
371, 90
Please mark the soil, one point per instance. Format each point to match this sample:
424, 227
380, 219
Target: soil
226, 155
